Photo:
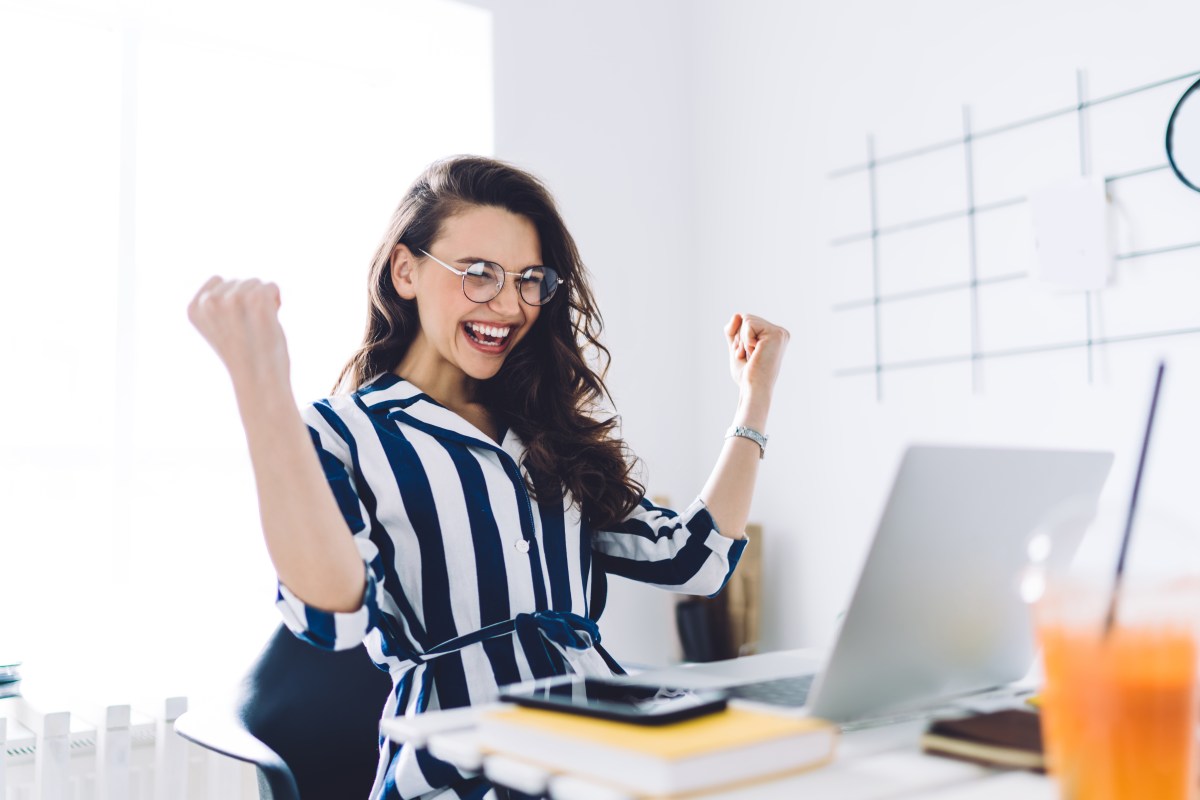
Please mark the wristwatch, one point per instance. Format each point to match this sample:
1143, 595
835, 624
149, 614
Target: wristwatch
759, 439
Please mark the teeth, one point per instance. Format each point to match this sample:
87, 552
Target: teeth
488, 330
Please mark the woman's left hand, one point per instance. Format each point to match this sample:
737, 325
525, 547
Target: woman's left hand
755, 353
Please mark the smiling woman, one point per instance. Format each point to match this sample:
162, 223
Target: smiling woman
146, 144
484, 491
476, 311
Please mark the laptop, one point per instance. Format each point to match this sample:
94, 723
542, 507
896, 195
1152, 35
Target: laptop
937, 611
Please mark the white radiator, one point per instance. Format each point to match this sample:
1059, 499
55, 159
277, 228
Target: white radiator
115, 752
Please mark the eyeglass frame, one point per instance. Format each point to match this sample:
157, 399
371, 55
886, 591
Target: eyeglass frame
463, 274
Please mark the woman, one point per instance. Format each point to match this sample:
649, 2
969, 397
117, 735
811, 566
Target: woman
482, 491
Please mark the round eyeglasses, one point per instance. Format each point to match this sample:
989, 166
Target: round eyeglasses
483, 280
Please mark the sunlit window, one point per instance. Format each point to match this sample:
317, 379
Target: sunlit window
143, 148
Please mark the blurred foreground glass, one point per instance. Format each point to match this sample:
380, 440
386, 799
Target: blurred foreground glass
1119, 706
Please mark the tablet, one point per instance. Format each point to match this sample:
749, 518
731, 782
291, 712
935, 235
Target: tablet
615, 700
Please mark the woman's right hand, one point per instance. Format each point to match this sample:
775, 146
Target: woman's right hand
304, 529
240, 319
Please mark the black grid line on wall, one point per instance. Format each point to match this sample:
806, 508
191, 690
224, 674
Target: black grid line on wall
974, 283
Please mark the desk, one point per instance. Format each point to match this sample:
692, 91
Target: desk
878, 763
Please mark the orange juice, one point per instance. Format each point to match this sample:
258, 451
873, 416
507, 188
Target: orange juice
1119, 711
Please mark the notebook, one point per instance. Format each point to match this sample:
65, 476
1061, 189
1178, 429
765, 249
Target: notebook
1010, 737
937, 611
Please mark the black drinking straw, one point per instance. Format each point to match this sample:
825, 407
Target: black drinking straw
1137, 485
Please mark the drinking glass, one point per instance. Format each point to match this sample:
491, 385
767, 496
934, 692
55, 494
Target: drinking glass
1119, 700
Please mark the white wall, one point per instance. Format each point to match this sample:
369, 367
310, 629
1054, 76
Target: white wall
790, 93
691, 143
145, 147
594, 98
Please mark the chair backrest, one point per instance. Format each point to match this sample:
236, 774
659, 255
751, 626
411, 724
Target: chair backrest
319, 710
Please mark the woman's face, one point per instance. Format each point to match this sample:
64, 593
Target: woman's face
458, 337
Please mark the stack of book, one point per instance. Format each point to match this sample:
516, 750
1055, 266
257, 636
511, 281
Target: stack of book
738, 745
10, 679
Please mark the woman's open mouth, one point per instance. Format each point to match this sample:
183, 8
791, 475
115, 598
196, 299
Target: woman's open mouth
487, 338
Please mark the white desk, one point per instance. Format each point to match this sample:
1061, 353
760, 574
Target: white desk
879, 763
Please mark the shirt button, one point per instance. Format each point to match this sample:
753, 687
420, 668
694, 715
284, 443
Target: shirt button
522, 545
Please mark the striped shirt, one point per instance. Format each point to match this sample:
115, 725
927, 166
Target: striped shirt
470, 584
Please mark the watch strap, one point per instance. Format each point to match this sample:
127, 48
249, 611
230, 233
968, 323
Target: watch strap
749, 433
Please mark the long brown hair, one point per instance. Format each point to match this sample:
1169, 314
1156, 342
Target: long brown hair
546, 391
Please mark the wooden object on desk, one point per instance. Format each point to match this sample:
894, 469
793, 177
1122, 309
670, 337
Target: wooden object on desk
730, 747
728, 625
745, 595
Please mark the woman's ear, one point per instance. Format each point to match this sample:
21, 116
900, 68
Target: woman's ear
404, 272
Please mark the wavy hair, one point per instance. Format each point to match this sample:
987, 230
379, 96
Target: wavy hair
546, 390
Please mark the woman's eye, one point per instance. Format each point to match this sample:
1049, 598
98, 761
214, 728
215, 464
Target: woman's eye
480, 269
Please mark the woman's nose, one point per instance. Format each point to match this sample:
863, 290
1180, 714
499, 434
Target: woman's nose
509, 299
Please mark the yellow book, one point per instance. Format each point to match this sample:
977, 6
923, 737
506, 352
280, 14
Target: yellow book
729, 747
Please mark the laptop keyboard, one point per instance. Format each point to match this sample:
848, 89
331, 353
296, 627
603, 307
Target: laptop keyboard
790, 691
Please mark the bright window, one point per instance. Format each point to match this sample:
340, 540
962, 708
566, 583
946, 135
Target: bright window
143, 148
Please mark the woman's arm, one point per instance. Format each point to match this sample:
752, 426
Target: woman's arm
307, 537
756, 349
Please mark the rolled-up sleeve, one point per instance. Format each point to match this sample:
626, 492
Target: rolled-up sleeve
334, 630
680, 552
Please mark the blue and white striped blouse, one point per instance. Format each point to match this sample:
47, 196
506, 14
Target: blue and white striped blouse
470, 585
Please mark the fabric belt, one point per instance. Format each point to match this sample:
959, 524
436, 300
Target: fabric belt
563, 628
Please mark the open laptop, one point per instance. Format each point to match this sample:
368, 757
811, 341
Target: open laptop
937, 611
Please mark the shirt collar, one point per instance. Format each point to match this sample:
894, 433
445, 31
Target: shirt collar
388, 392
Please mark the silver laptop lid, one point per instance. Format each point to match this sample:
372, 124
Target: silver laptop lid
937, 610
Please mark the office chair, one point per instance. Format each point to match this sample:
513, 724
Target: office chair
306, 718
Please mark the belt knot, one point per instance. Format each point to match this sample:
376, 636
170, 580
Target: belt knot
561, 627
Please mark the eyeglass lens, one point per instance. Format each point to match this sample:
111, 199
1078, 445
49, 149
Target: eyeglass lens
484, 280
